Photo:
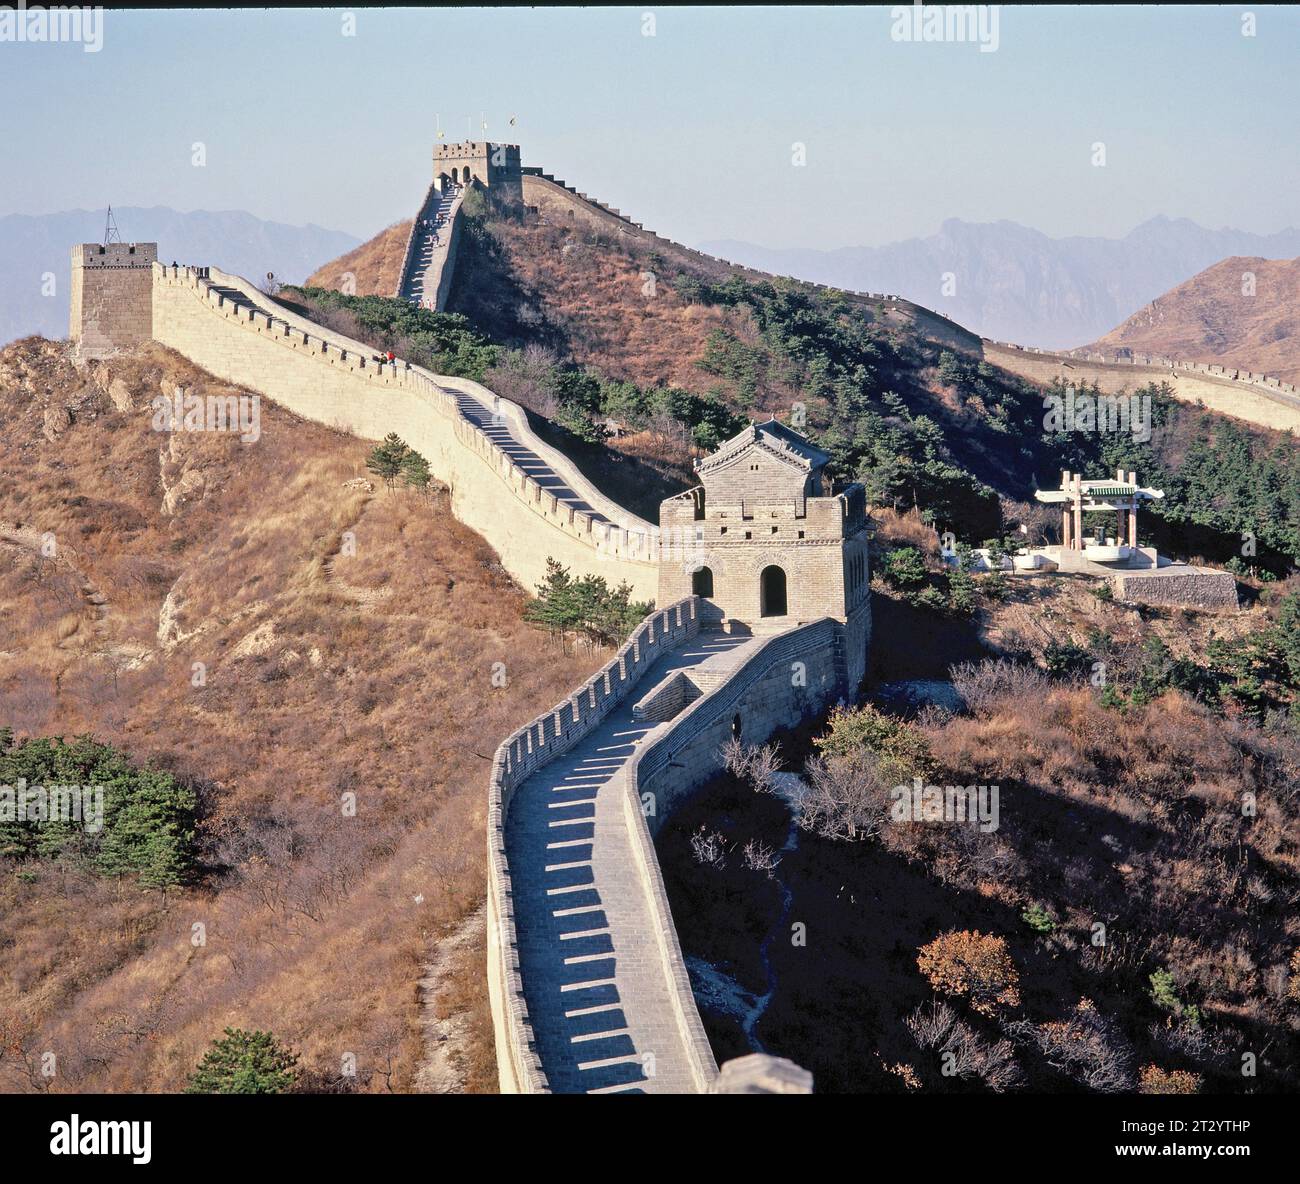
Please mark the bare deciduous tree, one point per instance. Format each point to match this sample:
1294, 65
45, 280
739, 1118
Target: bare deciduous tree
754, 764
961, 1051
984, 684
709, 847
845, 798
760, 857
1088, 1046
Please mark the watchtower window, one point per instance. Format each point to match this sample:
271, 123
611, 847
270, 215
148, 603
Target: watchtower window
702, 582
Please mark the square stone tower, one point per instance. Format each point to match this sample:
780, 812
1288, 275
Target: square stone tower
494, 166
112, 297
762, 537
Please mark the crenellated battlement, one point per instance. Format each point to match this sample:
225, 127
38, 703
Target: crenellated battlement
268, 348
1125, 357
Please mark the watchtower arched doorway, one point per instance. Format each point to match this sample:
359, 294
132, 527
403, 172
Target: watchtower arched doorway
771, 592
702, 581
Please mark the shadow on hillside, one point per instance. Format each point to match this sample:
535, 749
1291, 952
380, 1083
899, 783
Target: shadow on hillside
486, 290
909, 642
631, 482
842, 995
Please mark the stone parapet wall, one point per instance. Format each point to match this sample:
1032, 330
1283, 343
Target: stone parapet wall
667, 698
413, 237
519, 756
332, 379
766, 693
444, 265
689, 751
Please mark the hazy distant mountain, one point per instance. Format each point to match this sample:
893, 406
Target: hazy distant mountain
1016, 284
1241, 312
32, 245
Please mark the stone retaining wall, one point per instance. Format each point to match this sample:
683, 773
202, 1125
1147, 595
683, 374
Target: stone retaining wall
1197, 588
767, 692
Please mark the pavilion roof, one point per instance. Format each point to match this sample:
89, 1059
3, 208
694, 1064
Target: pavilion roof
1100, 491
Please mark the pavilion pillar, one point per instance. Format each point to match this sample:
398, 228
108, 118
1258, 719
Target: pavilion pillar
1133, 513
1065, 527
1077, 491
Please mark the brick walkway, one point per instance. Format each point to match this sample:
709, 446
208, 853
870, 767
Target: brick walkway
593, 980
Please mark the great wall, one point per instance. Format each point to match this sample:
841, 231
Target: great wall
756, 629
1255, 398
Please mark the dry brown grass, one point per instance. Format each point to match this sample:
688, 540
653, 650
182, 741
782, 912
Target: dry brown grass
589, 298
376, 265
316, 924
893, 529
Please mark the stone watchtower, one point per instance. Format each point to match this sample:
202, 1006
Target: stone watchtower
496, 167
112, 297
763, 539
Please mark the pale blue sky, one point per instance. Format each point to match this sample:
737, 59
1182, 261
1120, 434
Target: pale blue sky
690, 131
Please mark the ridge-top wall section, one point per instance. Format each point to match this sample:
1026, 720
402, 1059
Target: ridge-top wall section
1258, 400
329, 379
564, 204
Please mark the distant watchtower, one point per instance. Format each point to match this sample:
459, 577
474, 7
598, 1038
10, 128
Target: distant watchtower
762, 537
112, 296
494, 166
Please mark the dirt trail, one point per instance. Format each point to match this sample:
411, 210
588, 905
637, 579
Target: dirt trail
368, 598
439, 1071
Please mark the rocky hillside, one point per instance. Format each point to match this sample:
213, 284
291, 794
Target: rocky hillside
1217, 317
375, 266
261, 622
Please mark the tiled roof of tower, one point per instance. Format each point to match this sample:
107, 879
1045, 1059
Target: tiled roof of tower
773, 435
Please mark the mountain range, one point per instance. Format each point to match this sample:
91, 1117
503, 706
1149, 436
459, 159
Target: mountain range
33, 247
1012, 283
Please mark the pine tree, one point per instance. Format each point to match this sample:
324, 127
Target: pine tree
415, 472
244, 1063
387, 457
555, 607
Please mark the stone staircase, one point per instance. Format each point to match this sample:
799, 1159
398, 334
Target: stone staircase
596, 993
431, 242
671, 695
497, 429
